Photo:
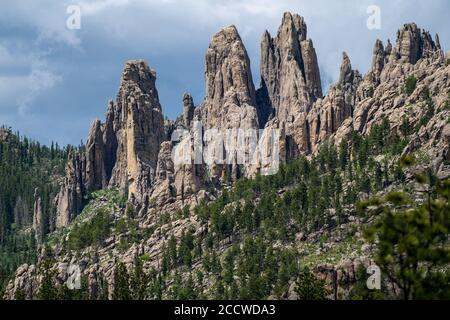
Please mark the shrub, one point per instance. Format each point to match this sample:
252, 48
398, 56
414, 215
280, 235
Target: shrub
410, 85
91, 232
309, 287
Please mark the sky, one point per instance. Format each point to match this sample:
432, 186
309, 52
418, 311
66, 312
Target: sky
56, 79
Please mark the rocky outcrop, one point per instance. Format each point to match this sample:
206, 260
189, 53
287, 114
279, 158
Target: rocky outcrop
329, 114
188, 110
378, 60
177, 177
412, 44
230, 100
95, 175
353, 102
346, 72
164, 191
38, 219
69, 201
139, 127
290, 81
289, 68
123, 151
25, 283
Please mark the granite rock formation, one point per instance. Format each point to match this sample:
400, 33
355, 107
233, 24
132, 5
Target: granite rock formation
129, 150
122, 152
38, 219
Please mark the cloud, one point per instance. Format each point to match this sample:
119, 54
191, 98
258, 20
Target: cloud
23, 77
45, 19
40, 80
70, 74
96, 7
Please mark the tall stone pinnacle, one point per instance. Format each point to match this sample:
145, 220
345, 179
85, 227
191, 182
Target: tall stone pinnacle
122, 152
229, 83
139, 127
378, 59
289, 69
346, 72
412, 44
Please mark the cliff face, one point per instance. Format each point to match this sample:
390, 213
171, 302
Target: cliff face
230, 100
290, 78
122, 152
289, 68
69, 201
290, 85
38, 223
139, 126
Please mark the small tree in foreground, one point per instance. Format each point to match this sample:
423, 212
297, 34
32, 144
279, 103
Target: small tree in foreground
309, 287
413, 240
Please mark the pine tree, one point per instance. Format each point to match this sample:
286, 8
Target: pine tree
47, 289
309, 287
172, 249
413, 241
139, 281
121, 283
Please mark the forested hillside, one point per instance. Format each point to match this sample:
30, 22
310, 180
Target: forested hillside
269, 237
339, 182
26, 166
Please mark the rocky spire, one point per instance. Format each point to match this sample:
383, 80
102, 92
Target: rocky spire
110, 140
378, 60
412, 44
123, 152
95, 176
38, 225
69, 200
437, 41
346, 72
230, 93
388, 51
312, 74
289, 68
408, 43
139, 127
188, 110
230, 101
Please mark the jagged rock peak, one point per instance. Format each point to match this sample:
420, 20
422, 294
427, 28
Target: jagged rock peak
228, 68
69, 201
437, 41
346, 72
289, 69
294, 23
138, 77
95, 176
120, 153
188, 109
378, 58
139, 128
414, 44
139, 73
38, 225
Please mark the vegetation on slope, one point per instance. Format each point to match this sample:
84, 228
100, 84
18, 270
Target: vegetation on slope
24, 166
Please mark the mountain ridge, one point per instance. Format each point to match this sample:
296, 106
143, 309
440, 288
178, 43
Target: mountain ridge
406, 88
